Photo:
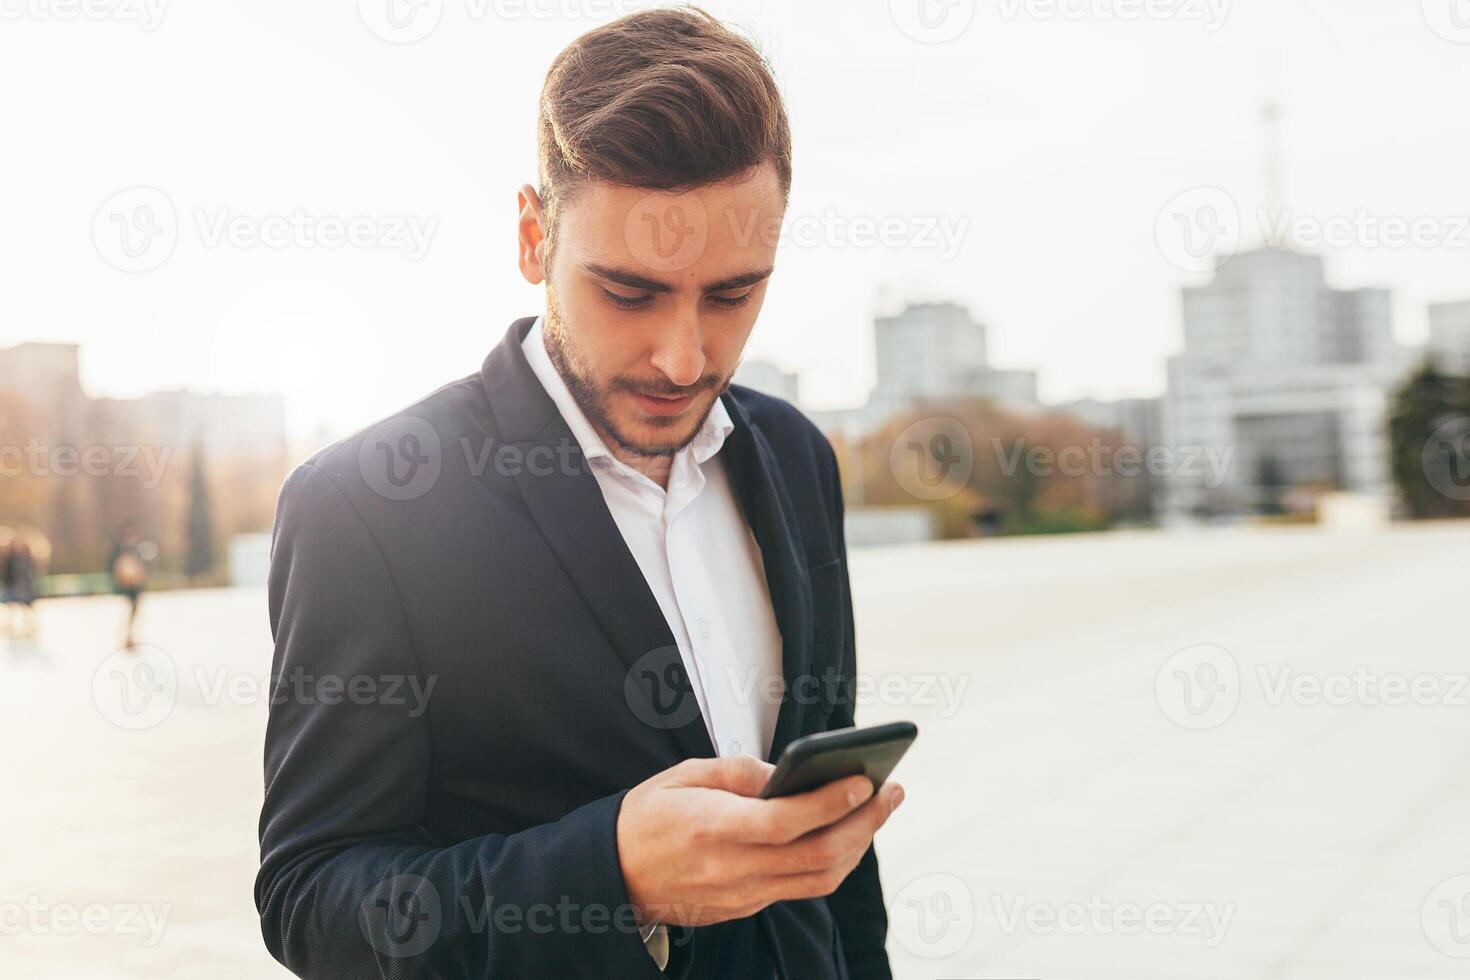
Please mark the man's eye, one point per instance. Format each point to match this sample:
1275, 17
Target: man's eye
626, 302
731, 302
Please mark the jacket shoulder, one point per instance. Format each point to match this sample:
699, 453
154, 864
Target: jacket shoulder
782, 423
387, 456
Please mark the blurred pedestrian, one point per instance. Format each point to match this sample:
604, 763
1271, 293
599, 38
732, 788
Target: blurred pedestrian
128, 566
7, 535
26, 551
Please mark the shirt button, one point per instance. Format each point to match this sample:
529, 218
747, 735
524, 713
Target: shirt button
704, 627
733, 748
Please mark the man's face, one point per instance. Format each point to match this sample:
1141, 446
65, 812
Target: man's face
651, 296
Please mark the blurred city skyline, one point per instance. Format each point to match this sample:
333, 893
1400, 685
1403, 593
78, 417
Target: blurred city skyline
1041, 216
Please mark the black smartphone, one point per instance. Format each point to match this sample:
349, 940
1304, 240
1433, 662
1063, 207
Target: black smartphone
816, 760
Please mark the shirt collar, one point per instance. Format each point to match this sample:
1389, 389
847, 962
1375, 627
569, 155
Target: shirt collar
706, 442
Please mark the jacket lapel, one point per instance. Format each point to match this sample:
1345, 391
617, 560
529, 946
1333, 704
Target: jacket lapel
767, 505
567, 505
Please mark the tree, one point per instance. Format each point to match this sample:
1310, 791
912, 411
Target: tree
1429, 435
199, 559
1272, 483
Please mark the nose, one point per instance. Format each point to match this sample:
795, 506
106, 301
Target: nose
679, 353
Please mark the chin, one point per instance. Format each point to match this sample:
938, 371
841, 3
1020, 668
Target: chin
660, 437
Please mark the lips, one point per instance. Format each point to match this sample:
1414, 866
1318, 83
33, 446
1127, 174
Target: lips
655, 405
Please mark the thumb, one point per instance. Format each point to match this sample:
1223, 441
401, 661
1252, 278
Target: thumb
743, 775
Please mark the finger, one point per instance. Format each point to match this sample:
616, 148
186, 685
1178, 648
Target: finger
844, 840
809, 884
786, 818
743, 775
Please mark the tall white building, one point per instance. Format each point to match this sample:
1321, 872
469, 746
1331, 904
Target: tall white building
937, 350
1289, 376
1449, 336
769, 379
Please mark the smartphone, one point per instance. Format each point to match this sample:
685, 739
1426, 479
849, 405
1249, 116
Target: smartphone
816, 760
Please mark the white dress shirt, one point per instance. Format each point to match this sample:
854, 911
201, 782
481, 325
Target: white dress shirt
702, 563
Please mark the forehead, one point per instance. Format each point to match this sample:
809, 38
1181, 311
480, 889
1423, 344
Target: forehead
706, 231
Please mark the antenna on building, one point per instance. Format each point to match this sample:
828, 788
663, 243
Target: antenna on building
1274, 172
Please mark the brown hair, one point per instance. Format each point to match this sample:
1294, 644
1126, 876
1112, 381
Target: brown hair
663, 99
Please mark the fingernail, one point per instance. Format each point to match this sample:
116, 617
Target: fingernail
897, 796
859, 793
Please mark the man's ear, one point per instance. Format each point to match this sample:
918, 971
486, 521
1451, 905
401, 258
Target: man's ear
531, 232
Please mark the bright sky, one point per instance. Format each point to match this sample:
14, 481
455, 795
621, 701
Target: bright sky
1045, 139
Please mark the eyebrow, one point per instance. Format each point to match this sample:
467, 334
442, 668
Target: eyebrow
634, 280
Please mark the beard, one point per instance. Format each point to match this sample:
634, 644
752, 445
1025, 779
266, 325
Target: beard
595, 399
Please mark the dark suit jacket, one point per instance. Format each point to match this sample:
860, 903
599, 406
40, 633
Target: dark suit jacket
467, 829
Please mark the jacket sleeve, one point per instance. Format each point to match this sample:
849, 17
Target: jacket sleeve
351, 884
857, 904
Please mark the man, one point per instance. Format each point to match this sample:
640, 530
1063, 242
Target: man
539, 635
129, 569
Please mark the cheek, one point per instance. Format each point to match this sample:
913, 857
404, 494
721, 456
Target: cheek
609, 343
725, 340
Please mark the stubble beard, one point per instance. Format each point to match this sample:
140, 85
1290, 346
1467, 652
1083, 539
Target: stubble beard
593, 399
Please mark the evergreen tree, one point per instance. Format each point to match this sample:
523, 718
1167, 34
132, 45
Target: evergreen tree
1429, 434
199, 559
1272, 483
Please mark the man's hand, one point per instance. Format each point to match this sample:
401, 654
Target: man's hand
697, 845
